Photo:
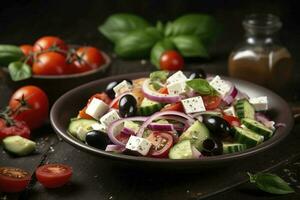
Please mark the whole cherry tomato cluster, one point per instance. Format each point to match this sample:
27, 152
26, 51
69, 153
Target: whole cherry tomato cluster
52, 56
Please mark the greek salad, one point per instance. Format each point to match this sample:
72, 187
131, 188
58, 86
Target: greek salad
175, 116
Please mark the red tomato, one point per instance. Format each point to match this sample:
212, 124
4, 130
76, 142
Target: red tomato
102, 96
47, 42
82, 114
163, 90
161, 144
233, 121
13, 179
27, 51
53, 175
19, 128
174, 107
171, 60
122, 137
38, 104
90, 58
51, 63
211, 102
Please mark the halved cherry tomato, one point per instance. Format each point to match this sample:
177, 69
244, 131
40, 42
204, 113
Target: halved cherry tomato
122, 137
13, 179
82, 114
171, 60
27, 51
163, 90
102, 96
53, 175
47, 42
173, 107
233, 121
211, 102
161, 144
19, 128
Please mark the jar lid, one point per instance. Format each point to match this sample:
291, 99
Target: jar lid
262, 23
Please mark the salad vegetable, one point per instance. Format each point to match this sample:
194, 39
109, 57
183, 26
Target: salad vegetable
173, 116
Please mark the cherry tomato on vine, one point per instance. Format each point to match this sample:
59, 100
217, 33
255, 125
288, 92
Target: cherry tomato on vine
171, 60
13, 179
211, 102
47, 42
27, 51
53, 175
18, 128
38, 105
161, 144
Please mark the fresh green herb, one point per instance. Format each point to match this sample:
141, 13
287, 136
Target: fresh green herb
190, 46
201, 86
19, 71
157, 78
270, 183
9, 53
159, 48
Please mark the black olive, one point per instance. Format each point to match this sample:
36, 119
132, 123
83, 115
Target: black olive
211, 147
199, 73
109, 89
97, 139
218, 126
127, 106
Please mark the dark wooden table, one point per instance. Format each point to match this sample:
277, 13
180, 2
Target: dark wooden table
97, 178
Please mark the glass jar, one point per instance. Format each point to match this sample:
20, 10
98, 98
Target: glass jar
261, 58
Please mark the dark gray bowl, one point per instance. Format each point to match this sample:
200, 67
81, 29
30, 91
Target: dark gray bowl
68, 105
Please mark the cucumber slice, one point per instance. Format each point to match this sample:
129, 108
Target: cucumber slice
257, 127
196, 133
181, 150
80, 127
244, 109
149, 107
216, 113
247, 137
18, 145
233, 147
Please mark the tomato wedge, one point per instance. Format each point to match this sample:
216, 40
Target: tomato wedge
161, 144
53, 175
174, 107
19, 128
211, 102
163, 90
13, 179
122, 137
102, 96
82, 114
233, 121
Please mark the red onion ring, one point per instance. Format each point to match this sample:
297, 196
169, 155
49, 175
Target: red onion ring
115, 148
161, 127
230, 96
196, 153
265, 120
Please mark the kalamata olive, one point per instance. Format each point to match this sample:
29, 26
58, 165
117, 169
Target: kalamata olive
211, 147
97, 139
218, 126
198, 73
109, 89
127, 106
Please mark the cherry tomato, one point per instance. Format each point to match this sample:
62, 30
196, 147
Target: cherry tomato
174, 107
102, 96
47, 42
37, 100
171, 60
19, 128
211, 102
27, 51
53, 175
122, 137
51, 63
90, 58
163, 90
13, 179
161, 144
233, 121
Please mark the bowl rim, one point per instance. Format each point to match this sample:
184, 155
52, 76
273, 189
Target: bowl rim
207, 160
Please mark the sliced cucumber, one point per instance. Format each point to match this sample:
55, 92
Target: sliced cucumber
244, 109
131, 125
247, 137
233, 147
181, 150
257, 127
80, 127
196, 133
216, 113
19, 145
149, 107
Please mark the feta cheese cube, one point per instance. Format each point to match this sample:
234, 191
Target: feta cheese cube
221, 86
109, 117
259, 103
139, 145
177, 88
176, 77
193, 105
122, 87
230, 111
99, 127
96, 108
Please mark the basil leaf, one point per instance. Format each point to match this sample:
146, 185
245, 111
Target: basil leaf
201, 86
137, 43
9, 53
270, 183
190, 46
159, 26
158, 49
119, 25
19, 71
201, 25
